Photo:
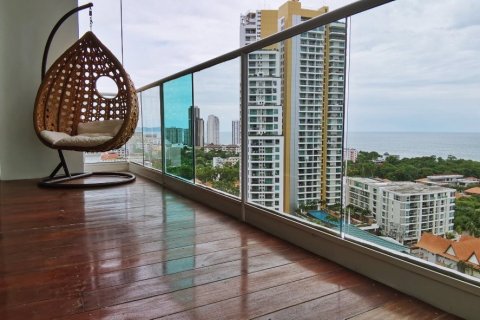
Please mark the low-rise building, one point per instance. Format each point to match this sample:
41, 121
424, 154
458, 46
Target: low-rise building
473, 191
220, 162
350, 154
449, 180
384, 157
462, 255
404, 210
222, 147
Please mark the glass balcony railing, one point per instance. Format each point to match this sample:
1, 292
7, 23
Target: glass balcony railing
178, 123
151, 130
217, 127
303, 125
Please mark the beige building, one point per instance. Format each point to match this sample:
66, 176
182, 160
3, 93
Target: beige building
312, 73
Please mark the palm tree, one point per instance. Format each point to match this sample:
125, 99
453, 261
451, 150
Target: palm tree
472, 228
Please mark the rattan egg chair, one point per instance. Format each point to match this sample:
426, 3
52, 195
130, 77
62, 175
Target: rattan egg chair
71, 114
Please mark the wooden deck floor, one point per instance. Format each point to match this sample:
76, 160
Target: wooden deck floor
142, 252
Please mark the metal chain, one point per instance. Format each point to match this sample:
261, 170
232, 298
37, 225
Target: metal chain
90, 15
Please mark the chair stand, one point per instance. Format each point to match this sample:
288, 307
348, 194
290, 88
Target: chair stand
54, 181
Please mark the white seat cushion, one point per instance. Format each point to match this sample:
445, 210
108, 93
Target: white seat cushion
90, 134
53, 136
62, 139
99, 128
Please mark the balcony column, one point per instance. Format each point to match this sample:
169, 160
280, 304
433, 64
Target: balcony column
24, 28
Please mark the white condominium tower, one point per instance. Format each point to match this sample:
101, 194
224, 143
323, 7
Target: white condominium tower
310, 105
265, 139
404, 210
213, 130
236, 132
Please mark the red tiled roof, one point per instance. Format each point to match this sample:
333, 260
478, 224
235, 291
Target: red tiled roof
474, 191
466, 237
433, 243
464, 249
109, 156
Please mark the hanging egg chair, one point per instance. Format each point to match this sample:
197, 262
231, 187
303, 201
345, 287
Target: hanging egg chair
71, 114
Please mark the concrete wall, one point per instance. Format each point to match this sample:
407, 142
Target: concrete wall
24, 29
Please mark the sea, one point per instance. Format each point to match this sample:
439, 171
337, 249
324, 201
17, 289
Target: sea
410, 144
418, 144
406, 144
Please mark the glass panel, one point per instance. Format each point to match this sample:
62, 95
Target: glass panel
115, 155
135, 144
295, 120
217, 127
152, 140
413, 146
177, 104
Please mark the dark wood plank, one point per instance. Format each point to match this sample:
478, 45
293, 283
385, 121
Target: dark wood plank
140, 251
59, 282
209, 294
257, 300
339, 305
401, 308
173, 282
124, 248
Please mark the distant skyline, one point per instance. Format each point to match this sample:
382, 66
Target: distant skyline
414, 64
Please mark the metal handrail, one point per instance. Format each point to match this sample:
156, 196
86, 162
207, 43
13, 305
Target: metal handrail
324, 19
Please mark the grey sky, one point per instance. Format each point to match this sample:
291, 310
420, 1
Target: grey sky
414, 64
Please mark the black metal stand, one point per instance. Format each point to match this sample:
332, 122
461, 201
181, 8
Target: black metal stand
64, 181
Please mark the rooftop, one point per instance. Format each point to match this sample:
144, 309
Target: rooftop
415, 188
462, 250
473, 191
433, 243
402, 187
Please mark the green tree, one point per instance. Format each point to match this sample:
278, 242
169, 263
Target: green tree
467, 215
409, 169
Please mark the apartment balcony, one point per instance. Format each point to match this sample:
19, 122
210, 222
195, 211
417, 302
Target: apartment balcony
174, 246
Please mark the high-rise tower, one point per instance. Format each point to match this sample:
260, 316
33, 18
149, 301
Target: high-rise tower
236, 132
198, 133
311, 105
213, 130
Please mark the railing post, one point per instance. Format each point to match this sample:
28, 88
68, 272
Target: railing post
244, 130
162, 129
140, 98
346, 72
193, 125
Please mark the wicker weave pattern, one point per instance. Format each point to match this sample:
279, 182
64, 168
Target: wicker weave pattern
68, 94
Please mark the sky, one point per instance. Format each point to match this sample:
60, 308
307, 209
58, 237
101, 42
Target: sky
414, 64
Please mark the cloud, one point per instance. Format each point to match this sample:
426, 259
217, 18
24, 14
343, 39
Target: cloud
414, 67
164, 37
414, 64
217, 92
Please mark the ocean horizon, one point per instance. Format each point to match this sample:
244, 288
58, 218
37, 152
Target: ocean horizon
462, 145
